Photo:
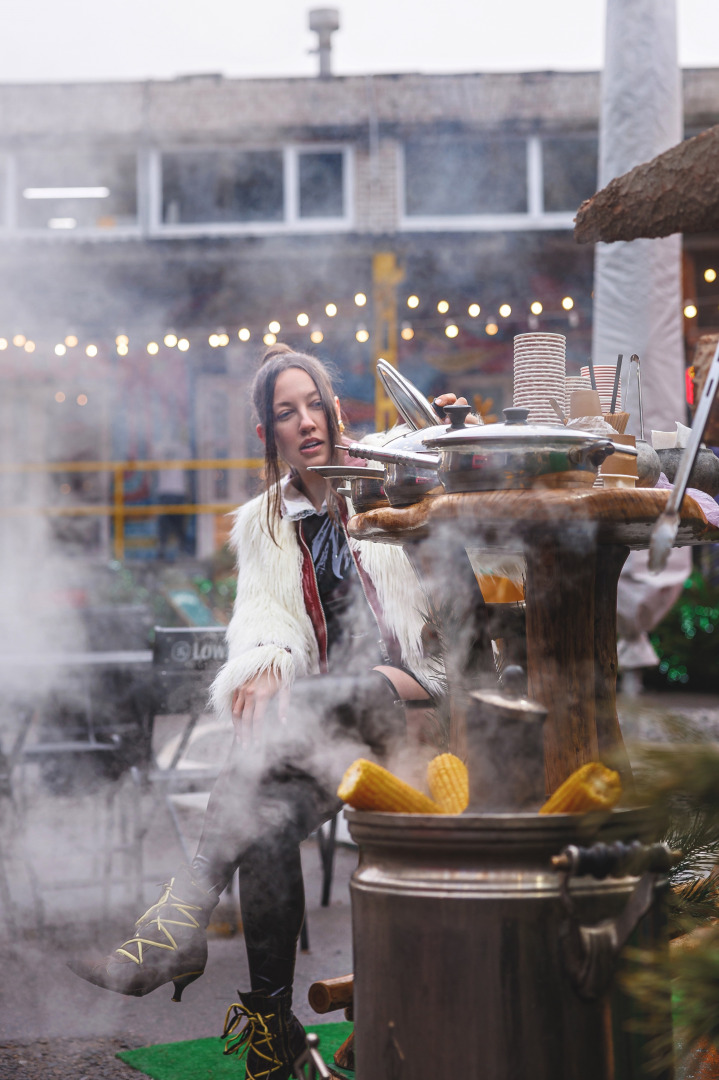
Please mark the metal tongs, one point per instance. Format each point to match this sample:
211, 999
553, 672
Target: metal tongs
665, 528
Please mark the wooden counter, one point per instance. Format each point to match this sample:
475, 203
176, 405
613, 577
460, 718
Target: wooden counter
575, 542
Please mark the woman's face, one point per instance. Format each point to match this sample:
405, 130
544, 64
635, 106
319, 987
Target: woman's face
299, 421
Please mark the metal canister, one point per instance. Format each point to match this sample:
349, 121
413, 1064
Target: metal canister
462, 927
505, 751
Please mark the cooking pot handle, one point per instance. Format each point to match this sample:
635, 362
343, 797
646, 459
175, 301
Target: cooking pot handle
590, 953
591, 455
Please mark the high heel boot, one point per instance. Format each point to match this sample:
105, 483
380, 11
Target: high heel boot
169, 944
271, 1038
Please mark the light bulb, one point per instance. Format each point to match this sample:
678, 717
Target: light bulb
3, 343
153, 348
59, 397
29, 346
690, 311
443, 307
19, 340
213, 341
451, 331
269, 339
183, 344
303, 319
536, 308
243, 334
316, 337
274, 327
360, 299
567, 303
223, 339
91, 350
81, 399
122, 350
413, 301
474, 310
170, 340
362, 334
406, 333
491, 328
60, 350
505, 310
71, 341
710, 275
122, 339
331, 310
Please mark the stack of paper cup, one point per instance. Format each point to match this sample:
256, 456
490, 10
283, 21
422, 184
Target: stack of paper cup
605, 375
575, 382
539, 371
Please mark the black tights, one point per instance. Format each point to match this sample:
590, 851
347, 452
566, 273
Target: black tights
263, 805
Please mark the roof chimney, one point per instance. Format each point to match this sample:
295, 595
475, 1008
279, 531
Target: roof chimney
324, 21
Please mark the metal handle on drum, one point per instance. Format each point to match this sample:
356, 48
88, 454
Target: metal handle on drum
309, 1065
590, 953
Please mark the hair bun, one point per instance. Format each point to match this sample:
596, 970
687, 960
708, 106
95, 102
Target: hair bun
278, 349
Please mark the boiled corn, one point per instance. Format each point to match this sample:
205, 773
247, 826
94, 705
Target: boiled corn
368, 786
591, 787
448, 782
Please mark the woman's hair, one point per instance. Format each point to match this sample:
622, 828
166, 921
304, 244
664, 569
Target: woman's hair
276, 359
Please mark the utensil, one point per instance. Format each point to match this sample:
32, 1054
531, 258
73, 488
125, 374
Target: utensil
664, 530
364, 485
634, 359
558, 410
592, 376
615, 391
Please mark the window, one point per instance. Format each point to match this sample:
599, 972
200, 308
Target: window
321, 184
200, 186
66, 190
570, 171
464, 177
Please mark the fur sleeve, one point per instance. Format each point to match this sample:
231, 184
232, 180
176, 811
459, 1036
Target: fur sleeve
269, 629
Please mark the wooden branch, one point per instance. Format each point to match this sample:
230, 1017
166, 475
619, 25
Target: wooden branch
678, 191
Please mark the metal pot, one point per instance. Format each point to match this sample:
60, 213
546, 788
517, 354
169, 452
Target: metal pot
704, 475
489, 457
364, 486
477, 955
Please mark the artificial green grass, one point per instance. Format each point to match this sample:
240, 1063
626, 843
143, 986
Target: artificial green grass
202, 1059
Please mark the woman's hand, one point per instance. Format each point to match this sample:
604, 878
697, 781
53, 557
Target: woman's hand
250, 702
452, 399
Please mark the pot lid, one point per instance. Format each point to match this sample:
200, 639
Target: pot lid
521, 706
347, 472
410, 403
515, 430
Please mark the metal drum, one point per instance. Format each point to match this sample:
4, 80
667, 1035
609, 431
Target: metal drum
475, 957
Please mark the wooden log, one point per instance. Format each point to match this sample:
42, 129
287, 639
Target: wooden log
326, 995
610, 560
678, 191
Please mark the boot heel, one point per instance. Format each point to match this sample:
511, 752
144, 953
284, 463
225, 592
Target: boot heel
182, 982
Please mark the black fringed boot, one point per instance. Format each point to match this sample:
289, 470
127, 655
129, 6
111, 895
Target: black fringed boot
271, 1037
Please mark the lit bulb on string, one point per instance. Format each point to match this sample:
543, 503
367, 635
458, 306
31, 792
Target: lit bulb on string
451, 330
153, 348
213, 341
170, 340
443, 307
222, 340
316, 337
270, 339
360, 299
710, 275
122, 339
3, 344
413, 301
505, 310
362, 334
81, 399
243, 334
71, 341
91, 350
567, 303
274, 327
122, 350
536, 307
690, 311
303, 319
59, 397
331, 310
183, 344
19, 341
491, 328
406, 333
474, 310
29, 346
60, 350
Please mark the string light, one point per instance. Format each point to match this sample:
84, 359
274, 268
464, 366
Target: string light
170, 340
451, 330
690, 311
316, 337
122, 350
567, 303
213, 341
362, 334
71, 341
505, 310
491, 328
243, 334
60, 350
81, 399
474, 310
536, 308
122, 339
710, 275
183, 344
406, 333
331, 310
223, 339
59, 397
19, 340
91, 351
360, 299
3, 344
443, 307
153, 348
269, 339
274, 327
413, 301
29, 346
303, 318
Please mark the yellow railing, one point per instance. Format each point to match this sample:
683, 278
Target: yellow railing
118, 510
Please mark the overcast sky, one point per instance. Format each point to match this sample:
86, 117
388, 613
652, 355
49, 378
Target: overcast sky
65, 40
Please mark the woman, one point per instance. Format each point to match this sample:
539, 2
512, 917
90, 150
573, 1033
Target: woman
310, 602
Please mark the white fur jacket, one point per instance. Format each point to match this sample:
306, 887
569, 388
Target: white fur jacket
270, 628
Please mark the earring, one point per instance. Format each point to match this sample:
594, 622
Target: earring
340, 427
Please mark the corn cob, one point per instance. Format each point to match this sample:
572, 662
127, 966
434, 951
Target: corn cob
591, 787
367, 786
448, 783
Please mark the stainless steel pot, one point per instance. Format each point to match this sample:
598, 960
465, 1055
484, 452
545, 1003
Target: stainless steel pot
488, 457
476, 956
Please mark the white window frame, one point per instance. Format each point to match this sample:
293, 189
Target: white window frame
533, 218
292, 222
10, 227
